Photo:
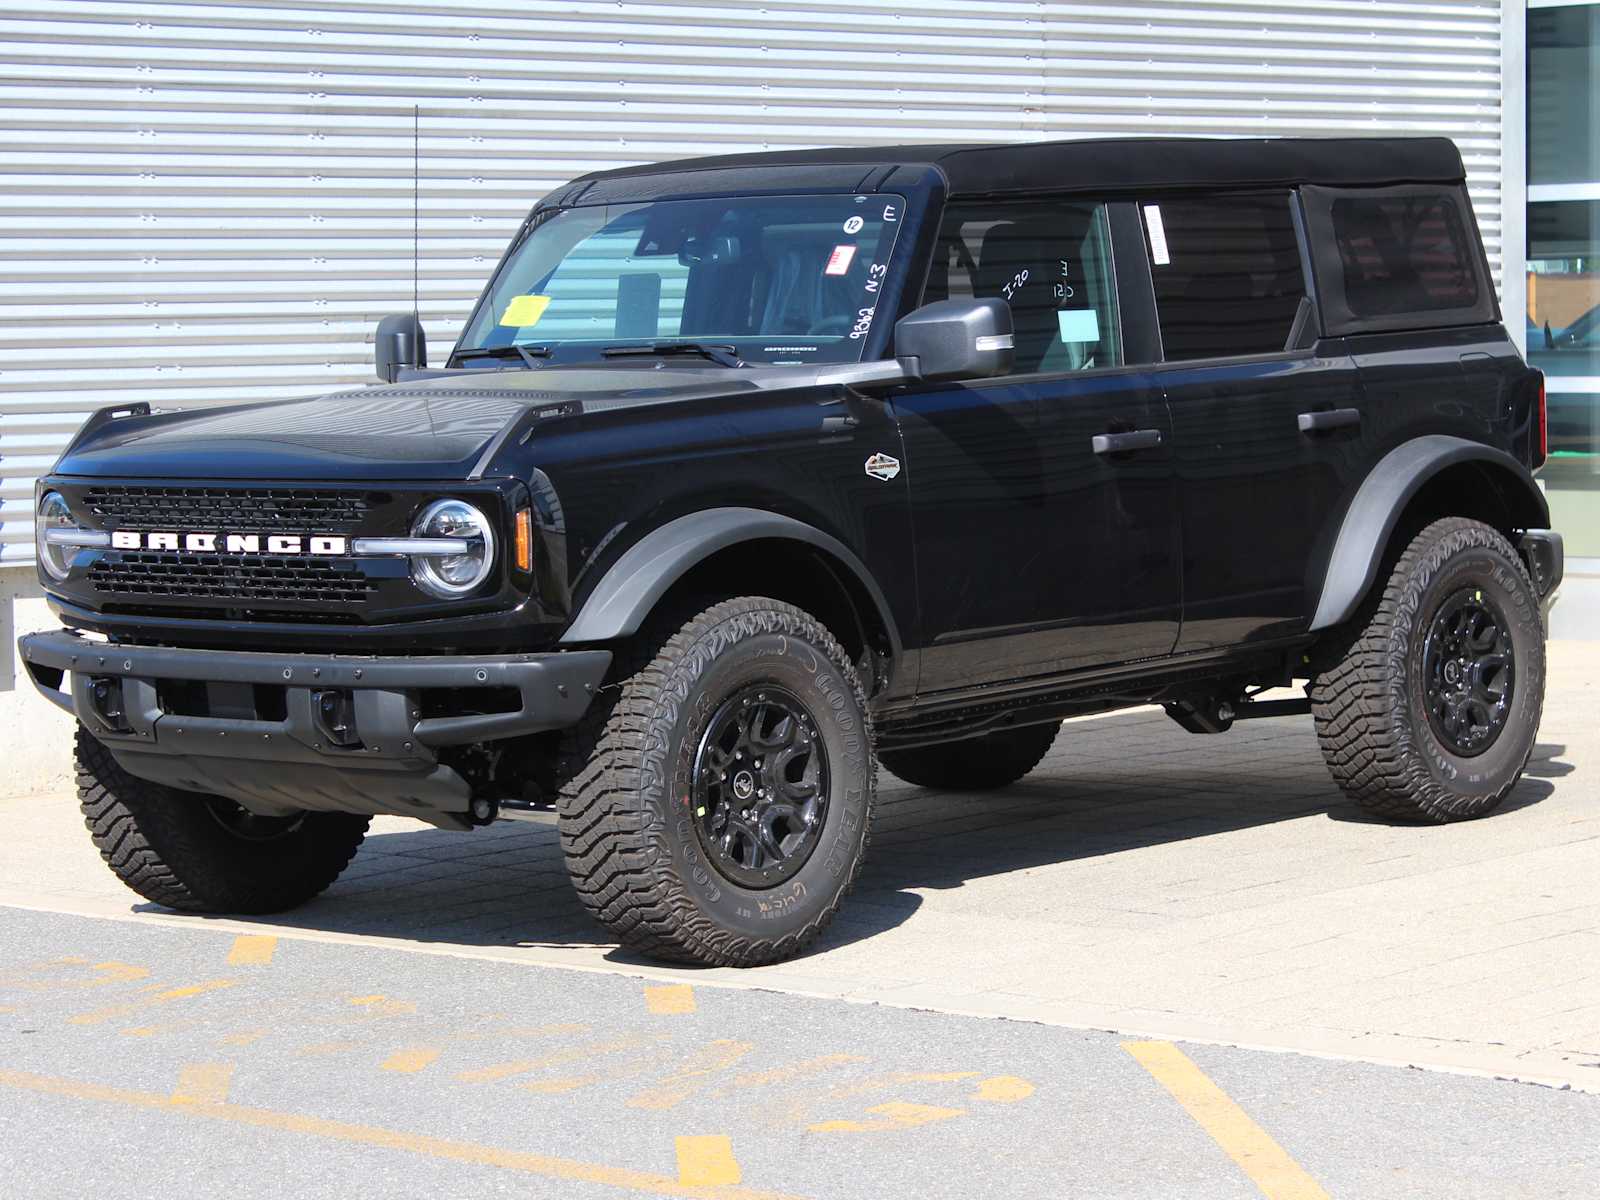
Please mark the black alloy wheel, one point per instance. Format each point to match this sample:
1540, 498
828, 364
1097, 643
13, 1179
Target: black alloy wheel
1469, 672
761, 786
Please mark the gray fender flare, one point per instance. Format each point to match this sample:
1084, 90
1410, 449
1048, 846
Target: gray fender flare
1373, 514
627, 592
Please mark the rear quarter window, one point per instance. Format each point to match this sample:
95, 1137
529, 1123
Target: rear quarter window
1397, 258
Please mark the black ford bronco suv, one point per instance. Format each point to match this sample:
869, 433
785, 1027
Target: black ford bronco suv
751, 473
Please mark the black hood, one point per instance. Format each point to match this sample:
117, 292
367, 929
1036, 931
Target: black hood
427, 429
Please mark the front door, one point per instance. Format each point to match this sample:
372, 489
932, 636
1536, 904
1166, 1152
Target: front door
1040, 550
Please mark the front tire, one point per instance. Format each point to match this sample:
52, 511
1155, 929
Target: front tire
717, 798
1428, 708
205, 854
980, 764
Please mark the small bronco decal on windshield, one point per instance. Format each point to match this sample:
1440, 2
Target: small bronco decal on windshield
881, 466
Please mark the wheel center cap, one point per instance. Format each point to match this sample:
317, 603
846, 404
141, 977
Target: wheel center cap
1452, 672
744, 785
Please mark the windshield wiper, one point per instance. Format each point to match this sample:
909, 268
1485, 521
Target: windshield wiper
528, 354
723, 356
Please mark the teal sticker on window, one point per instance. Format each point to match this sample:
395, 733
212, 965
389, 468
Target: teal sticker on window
1079, 324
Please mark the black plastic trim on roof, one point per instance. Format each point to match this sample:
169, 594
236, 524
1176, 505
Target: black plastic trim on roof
1115, 164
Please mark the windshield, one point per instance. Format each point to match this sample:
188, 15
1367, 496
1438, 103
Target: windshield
779, 279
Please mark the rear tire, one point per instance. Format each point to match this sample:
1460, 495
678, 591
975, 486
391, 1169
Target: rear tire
1428, 707
205, 854
717, 798
979, 764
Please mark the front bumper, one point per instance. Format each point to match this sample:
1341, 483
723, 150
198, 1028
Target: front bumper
383, 758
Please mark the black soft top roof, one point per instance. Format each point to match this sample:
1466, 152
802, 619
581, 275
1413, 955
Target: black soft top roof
1102, 164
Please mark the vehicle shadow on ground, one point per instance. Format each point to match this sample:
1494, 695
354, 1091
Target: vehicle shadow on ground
1132, 785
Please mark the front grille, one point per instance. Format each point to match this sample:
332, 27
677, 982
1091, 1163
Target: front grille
254, 582
237, 510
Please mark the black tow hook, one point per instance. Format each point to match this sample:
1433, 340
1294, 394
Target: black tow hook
106, 694
335, 713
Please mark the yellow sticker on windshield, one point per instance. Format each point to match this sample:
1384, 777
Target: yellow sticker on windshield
524, 311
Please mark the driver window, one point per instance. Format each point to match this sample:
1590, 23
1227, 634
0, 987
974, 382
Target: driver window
1051, 262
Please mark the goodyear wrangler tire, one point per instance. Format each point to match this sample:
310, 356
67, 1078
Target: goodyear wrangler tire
716, 800
1428, 708
205, 854
979, 764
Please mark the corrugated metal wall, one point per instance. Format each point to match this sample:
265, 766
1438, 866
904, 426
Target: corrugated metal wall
211, 202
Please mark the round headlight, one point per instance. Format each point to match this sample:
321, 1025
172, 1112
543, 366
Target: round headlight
450, 576
53, 514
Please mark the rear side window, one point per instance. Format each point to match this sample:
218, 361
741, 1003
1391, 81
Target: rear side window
1396, 258
1403, 254
1227, 274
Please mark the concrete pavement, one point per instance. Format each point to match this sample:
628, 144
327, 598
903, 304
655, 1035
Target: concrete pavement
1143, 880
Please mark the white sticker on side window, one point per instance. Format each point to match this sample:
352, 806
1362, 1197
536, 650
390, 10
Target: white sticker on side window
1078, 324
1158, 235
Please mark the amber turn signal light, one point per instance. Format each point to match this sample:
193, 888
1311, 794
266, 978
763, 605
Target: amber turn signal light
524, 539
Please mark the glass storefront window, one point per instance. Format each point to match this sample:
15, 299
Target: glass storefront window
1572, 473
1564, 257
1563, 73
1564, 287
1564, 342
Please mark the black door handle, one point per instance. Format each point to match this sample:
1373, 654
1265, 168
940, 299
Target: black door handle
1121, 443
1329, 418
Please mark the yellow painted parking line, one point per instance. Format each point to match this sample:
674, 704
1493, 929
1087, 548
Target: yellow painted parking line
670, 998
163, 995
707, 1161
412, 1059
383, 1006
794, 1071
546, 1166
1267, 1164
578, 1054
693, 1075
1003, 1089
252, 950
897, 1114
193, 989
203, 1083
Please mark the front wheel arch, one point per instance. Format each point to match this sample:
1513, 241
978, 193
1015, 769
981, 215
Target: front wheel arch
696, 553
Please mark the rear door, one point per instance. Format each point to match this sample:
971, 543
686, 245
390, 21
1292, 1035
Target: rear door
1269, 427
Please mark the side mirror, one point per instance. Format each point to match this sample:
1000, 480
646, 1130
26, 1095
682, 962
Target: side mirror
399, 345
956, 339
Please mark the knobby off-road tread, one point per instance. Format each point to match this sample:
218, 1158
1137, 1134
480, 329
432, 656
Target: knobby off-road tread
163, 845
1358, 699
614, 768
978, 764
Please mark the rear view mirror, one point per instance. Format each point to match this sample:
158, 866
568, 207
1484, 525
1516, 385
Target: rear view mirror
956, 339
399, 345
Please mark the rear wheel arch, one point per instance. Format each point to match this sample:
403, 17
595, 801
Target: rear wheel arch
1418, 482
742, 551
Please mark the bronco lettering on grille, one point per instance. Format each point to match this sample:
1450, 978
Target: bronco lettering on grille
293, 544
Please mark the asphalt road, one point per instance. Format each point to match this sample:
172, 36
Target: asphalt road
141, 1059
